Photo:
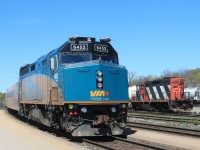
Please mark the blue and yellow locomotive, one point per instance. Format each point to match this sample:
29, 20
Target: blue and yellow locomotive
79, 87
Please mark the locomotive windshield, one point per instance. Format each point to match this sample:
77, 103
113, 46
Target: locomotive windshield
75, 53
105, 57
70, 58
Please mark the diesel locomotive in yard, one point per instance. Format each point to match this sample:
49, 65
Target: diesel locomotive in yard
160, 94
79, 88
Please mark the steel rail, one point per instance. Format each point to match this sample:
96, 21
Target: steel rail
139, 143
164, 114
133, 142
186, 114
181, 131
97, 144
175, 119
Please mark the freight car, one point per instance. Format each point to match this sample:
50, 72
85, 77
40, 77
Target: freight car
79, 88
161, 94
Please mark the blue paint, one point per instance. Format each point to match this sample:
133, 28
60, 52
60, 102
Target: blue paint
77, 81
79, 84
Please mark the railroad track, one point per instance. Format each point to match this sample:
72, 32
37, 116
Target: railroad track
187, 114
108, 143
181, 119
127, 144
191, 114
163, 114
181, 131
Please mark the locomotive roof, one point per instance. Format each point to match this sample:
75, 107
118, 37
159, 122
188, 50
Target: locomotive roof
75, 40
157, 81
65, 47
170, 77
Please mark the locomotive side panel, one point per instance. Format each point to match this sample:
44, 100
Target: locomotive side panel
39, 85
34, 88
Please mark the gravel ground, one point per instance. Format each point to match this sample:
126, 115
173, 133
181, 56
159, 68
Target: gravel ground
195, 110
173, 124
186, 142
117, 145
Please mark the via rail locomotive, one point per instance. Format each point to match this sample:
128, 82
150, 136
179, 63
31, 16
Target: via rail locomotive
161, 94
79, 88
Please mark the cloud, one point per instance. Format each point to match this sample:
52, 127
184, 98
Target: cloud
28, 22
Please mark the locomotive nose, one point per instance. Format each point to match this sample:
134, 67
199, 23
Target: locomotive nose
95, 83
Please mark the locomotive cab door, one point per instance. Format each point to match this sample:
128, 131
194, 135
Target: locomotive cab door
54, 96
20, 90
45, 81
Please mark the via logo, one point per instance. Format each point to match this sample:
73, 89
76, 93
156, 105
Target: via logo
98, 93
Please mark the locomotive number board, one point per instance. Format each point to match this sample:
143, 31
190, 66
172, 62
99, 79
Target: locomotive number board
101, 48
79, 47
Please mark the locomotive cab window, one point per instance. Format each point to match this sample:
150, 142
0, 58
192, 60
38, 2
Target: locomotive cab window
81, 52
175, 82
74, 57
105, 57
24, 69
54, 63
44, 62
33, 67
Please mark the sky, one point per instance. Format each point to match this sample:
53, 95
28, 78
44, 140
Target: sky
150, 36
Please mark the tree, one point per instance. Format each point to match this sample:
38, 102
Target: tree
192, 77
167, 73
2, 96
131, 78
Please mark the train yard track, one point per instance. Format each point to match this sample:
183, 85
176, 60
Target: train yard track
186, 113
168, 129
181, 119
126, 144
107, 143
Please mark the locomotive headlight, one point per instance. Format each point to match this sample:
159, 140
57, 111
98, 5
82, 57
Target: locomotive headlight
99, 73
100, 79
71, 106
84, 109
124, 106
99, 85
113, 109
